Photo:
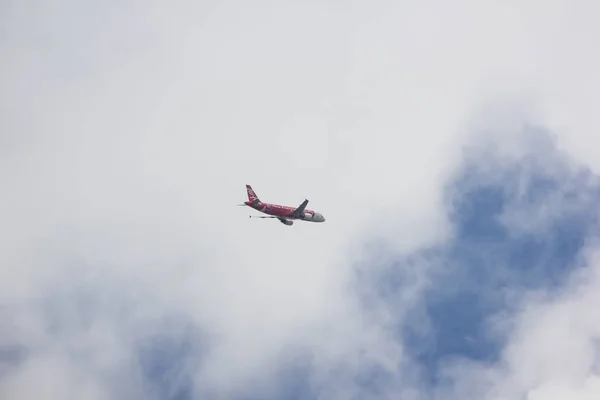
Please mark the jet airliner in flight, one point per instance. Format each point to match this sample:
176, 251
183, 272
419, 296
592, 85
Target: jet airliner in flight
285, 214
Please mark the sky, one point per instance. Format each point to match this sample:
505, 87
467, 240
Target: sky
452, 147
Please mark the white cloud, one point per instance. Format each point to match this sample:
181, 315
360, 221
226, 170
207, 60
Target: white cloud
128, 132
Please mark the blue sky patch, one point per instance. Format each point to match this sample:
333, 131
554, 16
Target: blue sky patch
518, 226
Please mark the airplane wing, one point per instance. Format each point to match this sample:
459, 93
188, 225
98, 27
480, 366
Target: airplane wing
298, 212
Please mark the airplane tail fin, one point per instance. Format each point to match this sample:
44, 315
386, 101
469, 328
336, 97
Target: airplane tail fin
251, 194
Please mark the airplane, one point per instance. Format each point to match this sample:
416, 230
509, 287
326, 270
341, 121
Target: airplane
285, 214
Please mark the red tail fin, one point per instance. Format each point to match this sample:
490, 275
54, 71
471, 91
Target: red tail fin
251, 195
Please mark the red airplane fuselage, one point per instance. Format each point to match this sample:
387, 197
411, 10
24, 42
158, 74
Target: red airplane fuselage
281, 211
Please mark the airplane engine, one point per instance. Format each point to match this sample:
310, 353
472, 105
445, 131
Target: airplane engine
287, 222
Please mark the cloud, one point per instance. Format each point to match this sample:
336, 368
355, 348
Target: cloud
128, 132
552, 352
457, 306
